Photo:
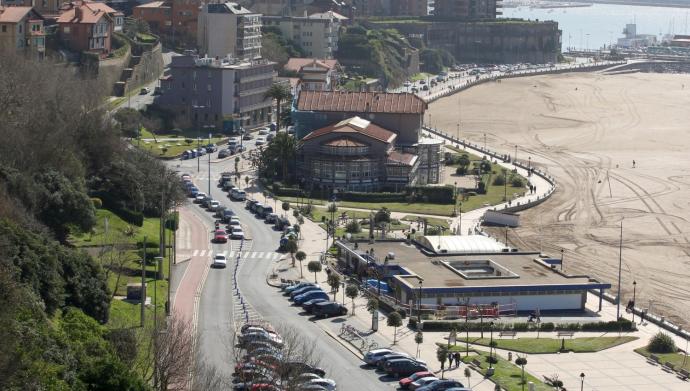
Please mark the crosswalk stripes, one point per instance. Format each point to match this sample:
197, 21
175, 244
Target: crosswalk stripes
242, 254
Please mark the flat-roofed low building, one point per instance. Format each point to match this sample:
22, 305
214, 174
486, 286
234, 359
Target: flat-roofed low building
454, 271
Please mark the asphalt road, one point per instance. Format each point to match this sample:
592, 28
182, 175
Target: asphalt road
215, 309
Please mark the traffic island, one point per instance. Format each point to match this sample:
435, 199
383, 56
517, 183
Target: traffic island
552, 345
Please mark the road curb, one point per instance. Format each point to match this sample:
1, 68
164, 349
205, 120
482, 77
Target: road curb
343, 343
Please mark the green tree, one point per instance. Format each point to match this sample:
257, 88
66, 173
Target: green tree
292, 248
300, 256
383, 215
522, 361
372, 304
352, 291
280, 93
334, 282
353, 227
661, 343
442, 356
394, 320
516, 181
285, 206
129, 120
418, 339
314, 267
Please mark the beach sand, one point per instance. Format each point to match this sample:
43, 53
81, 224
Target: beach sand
586, 129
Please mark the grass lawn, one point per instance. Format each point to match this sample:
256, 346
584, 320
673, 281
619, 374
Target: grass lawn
506, 374
430, 220
417, 207
117, 229
421, 76
318, 213
174, 148
553, 345
675, 358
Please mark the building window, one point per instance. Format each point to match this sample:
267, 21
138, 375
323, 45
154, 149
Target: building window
4, 28
194, 86
208, 87
193, 75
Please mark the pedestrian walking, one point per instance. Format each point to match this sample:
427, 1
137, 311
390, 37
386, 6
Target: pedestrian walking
633, 164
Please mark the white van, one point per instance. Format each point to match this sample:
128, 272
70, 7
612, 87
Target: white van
238, 195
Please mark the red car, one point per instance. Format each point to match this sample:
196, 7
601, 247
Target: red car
220, 237
405, 382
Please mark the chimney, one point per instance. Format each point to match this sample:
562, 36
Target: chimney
77, 12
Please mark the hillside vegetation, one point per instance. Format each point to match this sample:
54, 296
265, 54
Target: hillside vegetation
59, 151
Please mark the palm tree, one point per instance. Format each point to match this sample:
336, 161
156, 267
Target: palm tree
468, 374
279, 93
283, 148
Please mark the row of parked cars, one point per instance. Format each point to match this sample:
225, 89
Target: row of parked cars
313, 300
266, 364
266, 213
413, 372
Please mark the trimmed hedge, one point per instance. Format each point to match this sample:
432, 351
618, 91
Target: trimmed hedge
431, 194
443, 325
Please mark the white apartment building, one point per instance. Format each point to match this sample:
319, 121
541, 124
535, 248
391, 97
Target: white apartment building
229, 28
316, 34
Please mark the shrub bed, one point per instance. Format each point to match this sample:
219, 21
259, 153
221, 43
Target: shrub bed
444, 325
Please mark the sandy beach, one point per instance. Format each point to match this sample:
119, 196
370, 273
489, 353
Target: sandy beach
586, 130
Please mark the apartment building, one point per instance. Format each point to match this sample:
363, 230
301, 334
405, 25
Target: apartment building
21, 30
314, 74
224, 93
158, 14
316, 34
229, 28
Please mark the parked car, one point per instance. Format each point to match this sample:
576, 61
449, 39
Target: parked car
219, 261
304, 289
219, 236
224, 153
404, 383
260, 140
327, 384
297, 367
271, 218
309, 305
422, 382
262, 335
233, 222
144, 91
264, 131
270, 137
227, 216
373, 356
441, 385
289, 288
213, 205
263, 211
228, 186
404, 367
200, 197
327, 309
381, 364
300, 299
210, 148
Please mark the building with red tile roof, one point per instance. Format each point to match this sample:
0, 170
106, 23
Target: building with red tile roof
403, 112
314, 74
354, 155
86, 27
21, 30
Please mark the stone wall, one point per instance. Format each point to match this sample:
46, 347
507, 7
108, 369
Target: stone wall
148, 68
109, 70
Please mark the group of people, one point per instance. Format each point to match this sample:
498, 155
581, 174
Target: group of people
453, 357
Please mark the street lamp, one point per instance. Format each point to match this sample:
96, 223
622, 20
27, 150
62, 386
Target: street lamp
455, 198
561, 259
515, 162
633, 303
491, 345
529, 166
198, 136
460, 220
582, 381
208, 128
419, 300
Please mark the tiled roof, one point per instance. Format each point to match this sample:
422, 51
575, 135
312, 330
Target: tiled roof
93, 5
407, 159
154, 4
13, 14
361, 102
296, 64
88, 15
355, 125
344, 142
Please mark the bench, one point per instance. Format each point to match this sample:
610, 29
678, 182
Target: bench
566, 333
683, 374
668, 367
476, 363
507, 333
653, 359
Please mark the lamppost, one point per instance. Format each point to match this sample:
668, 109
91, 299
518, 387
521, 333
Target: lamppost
561, 259
198, 136
515, 162
633, 303
458, 127
419, 301
491, 345
342, 284
529, 166
208, 128
455, 198
582, 381
460, 220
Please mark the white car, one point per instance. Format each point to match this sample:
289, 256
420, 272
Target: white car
239, 195
213, 206
220, 261
237, 233
260, 140
373, 356
200, 197
263, 131
328, 384
422, 382
234, 221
